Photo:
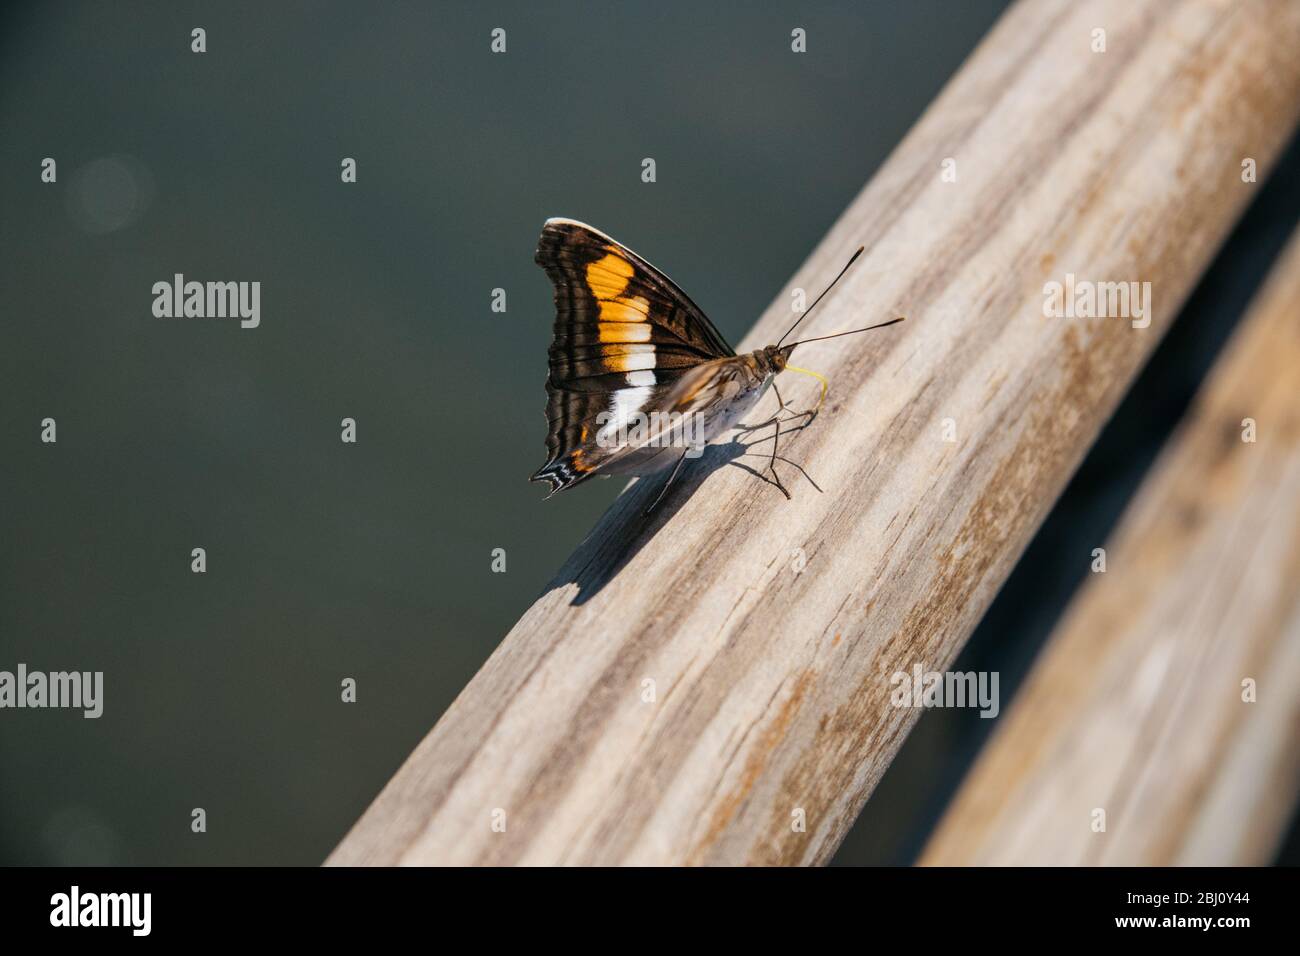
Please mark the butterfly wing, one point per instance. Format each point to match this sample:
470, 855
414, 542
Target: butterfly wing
624, 335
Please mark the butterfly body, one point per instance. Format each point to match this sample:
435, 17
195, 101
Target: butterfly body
724, 390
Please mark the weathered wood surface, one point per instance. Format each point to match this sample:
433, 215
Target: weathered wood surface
772, 677
1136, 706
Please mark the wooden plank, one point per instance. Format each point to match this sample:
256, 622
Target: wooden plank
1136, 706
770, 628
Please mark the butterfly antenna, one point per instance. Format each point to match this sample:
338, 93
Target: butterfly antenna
852, 259
822, 338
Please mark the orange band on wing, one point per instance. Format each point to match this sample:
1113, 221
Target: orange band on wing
608, 277
621, 333
635, 309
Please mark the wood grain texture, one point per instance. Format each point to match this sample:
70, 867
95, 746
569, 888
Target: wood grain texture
1135, 706
771, 628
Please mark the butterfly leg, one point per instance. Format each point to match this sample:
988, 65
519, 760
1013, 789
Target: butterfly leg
781, 405
778, 420
771, 464
809, 415
667, 484
794, 464
749, 429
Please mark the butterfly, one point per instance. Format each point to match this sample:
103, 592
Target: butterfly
639, 378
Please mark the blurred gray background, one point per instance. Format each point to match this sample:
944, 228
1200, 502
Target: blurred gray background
372, 560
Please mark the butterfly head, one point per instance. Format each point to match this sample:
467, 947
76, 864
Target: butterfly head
775, 357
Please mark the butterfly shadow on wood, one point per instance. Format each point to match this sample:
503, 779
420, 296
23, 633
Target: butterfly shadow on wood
631, 522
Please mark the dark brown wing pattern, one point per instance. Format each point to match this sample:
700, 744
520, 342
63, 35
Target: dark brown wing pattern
624, 333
